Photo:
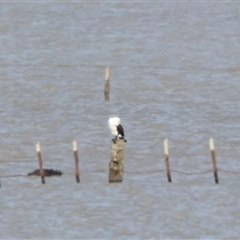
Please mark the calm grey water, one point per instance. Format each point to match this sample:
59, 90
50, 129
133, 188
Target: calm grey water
174, 74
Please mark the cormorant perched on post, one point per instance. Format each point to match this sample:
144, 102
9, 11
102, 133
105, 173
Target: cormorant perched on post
116, 128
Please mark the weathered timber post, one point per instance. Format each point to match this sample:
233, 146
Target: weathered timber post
39, 155
75, 154
214, 162
116, 165
107, 88
166, 155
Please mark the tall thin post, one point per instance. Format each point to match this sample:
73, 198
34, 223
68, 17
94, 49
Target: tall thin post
75, 154
116, 165
40, 161
166, 155
214, 162
107, 88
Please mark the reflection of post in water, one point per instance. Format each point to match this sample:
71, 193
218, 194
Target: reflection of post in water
116, 165
39, 155
107, 87
166, 155
214, 162
75, 154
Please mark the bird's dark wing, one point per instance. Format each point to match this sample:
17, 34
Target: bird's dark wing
120, 130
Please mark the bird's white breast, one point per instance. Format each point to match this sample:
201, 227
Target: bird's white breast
113, 122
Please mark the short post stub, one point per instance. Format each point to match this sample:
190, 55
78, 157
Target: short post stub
75, 154
166, 155
40, 161
116, 165
107, 87
214, 162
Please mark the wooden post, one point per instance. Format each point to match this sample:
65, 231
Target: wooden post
75, 154
116, 165
39, 155
214, 162
166, 155
107, 88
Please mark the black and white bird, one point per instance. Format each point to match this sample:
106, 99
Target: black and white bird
116, 128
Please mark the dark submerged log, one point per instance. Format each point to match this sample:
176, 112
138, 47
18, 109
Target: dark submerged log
47, 172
